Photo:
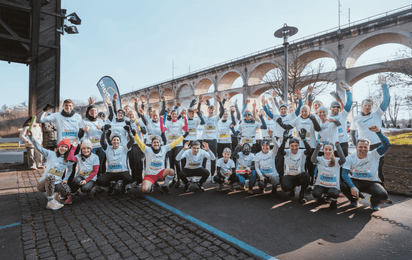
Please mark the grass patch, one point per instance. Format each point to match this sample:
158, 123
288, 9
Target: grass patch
6, 146
401, 139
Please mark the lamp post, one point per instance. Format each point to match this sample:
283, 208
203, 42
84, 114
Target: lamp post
284, 33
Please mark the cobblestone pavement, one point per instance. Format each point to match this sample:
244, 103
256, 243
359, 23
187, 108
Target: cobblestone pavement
117, 227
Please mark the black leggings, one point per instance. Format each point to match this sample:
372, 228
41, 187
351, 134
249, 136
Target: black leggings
105, 179
221, 147
74, 185
378, 193
233, 179
318, 191
194, 172
381, 161
136, 157
310, 167
289, 182
213, 147
172, 159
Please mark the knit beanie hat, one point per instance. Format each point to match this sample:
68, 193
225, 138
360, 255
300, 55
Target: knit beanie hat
65, 142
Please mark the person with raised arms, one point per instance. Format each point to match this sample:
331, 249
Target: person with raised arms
245, 167
327, 179
194, 159
155, 157
210, 133
223, 128
91, 129
151, 122
226, 171
361, 173
342, 116
293, 174
247, 129
328, 127
54, 179
265, 165
116, 155
87, 169
361, 123
173, 130
67, 124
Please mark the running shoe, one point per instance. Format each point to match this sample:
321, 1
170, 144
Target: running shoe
231, 187
69, 200
200, 187
274, 192
111, 188
186, 188
165, 189
54, 205
302, 199
220, 187
356, 202
334, 204
212, 179
375, 208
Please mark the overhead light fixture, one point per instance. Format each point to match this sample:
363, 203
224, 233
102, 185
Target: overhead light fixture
74, 19
71, 29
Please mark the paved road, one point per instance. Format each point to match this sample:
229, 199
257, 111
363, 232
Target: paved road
283, 228
118, 227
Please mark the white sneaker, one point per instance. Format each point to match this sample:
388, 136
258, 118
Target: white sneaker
54, 205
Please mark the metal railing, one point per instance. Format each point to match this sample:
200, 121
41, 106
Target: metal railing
374, 17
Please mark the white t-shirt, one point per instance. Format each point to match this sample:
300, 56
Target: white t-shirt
55, 166
328, 133
194, 161
95, 131
210, 128
342, 117
193, 124
224, 132
67, 127
287, 120
271, 125
328, 177
155, 162
225, 167
85, 168
117, 159
294, 163
248, 132
153, 129
265, 163
244, 162
174, 131
306, 123
118, 130
362, 124
364, 169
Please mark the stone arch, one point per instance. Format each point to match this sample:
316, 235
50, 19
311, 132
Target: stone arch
353, 78
203, 85
125, 102
168, 93
313, 54
143, 98
258, 72
154, 97
369, 41
184, 90
227, 79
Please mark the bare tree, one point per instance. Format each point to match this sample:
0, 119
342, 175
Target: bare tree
300, 74
401, 68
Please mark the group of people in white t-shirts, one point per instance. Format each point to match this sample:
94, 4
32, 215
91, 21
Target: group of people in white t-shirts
302, 146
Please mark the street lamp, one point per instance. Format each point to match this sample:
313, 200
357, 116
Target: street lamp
284, 33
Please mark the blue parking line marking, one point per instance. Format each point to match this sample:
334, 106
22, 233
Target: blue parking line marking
215, 231
11, 225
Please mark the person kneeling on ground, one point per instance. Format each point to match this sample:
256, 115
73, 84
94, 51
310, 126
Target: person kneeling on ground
294, 165
87, 169
364, 165
155, 158
226, 170
265, 165
245, 168
327, 177
116, 160
194, 159
56, 165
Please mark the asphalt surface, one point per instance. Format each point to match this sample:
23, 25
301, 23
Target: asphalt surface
285, 229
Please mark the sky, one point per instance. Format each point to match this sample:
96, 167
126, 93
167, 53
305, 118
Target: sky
136, 41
